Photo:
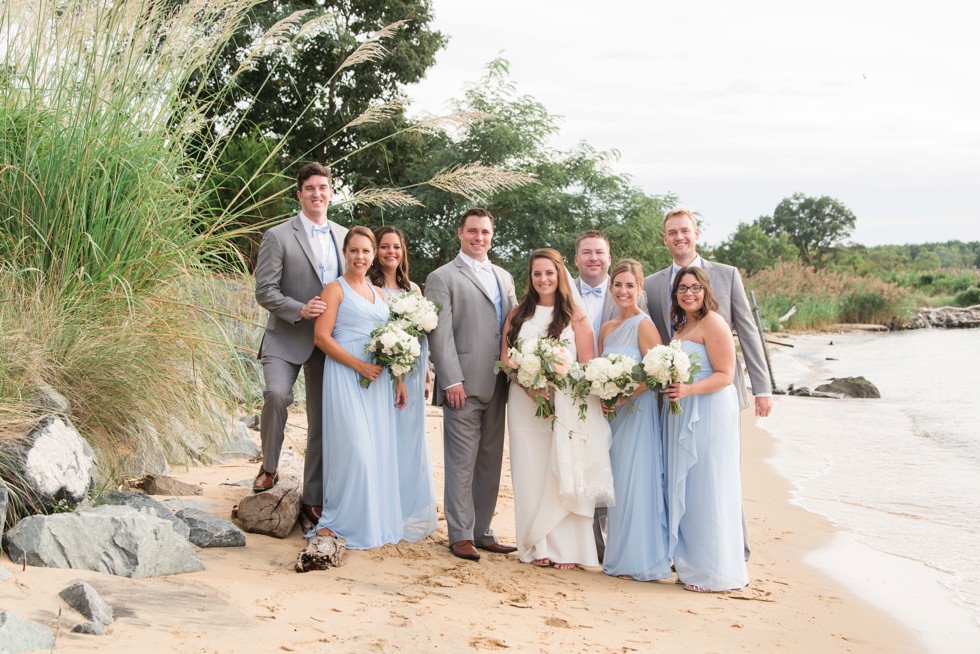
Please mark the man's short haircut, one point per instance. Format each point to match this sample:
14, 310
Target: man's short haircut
591, 233
309, 170
477, 211
681, 211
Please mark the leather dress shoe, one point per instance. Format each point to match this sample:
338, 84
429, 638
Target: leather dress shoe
264, 481
499, 548
465, 549
312, 512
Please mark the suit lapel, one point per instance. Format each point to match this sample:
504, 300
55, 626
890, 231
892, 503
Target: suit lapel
338, 243
470, 275
662, 289
304, 244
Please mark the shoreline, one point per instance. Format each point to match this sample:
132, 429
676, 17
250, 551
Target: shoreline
416, 597
885, 472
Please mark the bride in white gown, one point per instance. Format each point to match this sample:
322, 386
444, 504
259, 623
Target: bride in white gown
561, 472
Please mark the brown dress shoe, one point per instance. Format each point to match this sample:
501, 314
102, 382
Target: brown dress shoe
499, 548
465, 549
264, 481
312, 512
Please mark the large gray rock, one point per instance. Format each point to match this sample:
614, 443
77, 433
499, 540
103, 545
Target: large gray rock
850, 387
47, 398
148, 457
53, 463
162, 485
87, 601
274, 512
238, 442
18, 635
211, 531
146, 504
118, 540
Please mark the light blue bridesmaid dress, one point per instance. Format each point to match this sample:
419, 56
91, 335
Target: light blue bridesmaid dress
360, 461
417, 491
704, 486
636, 544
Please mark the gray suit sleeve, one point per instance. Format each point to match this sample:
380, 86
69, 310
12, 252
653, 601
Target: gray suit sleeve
442, 342
268, 281
749, 337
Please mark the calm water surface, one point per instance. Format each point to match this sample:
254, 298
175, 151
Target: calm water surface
901, 472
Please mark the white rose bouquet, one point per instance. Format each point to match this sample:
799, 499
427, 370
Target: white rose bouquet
394, 346
420, 315
610, 377
664, 365
538, 364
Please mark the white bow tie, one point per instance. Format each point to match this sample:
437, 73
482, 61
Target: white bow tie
480, 266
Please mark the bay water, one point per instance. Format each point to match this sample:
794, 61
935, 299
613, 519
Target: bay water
900, 474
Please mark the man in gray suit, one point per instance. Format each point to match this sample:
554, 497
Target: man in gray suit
296, 260
592, 258
681, 236
475, 296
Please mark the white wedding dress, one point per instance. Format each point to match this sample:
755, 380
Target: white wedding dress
560, 473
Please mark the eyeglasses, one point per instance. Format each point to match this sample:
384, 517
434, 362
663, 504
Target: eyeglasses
694, 288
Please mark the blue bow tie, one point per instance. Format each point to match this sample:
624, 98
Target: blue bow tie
588, 290
321, 230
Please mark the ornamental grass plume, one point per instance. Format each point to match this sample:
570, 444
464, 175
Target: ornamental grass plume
119, 286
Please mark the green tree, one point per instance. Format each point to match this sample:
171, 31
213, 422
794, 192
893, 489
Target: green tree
751, 249
814, 225
576, 190
307, 93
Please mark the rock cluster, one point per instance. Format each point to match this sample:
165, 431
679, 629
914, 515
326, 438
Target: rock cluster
953, 317
839, 387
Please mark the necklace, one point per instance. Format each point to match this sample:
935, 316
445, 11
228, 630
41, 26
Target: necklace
362, 289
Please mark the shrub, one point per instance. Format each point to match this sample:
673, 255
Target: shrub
824, 297
968, 297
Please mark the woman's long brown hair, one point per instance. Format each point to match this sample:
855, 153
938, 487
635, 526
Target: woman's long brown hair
563, 298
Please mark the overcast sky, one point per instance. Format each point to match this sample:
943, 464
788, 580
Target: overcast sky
733, 106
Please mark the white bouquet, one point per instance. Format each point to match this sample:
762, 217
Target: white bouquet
538, 364
395, 346
610, 378
421, 315
664, 365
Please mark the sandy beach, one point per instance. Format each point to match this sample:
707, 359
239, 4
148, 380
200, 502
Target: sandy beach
418, 598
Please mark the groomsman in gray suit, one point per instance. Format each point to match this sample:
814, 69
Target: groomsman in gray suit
475, 296
681, 236
296, 260
592, 258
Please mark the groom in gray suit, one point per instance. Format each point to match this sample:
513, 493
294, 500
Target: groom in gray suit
681, 236
296, 260
475, 296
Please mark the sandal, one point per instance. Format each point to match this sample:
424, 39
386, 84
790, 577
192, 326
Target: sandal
697, 589
326, 531
563, 566
541, 563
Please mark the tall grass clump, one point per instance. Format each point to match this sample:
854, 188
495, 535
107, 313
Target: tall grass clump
104, 255
118, 286
824, 297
